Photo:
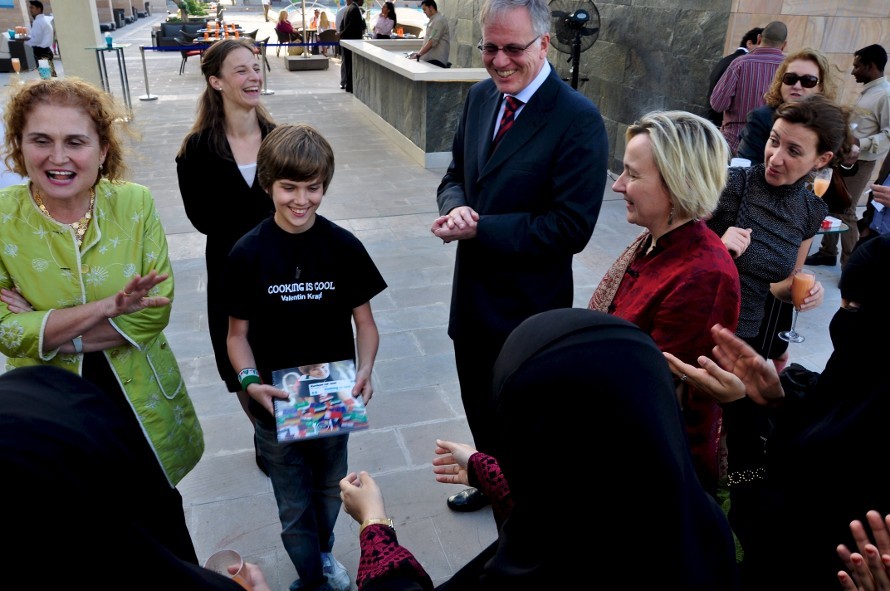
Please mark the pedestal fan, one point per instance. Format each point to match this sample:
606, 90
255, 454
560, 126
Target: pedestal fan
576, 26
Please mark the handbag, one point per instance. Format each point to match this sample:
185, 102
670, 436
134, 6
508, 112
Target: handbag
294, 50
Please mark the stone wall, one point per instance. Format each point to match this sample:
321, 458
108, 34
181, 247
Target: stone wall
656, 54
643, 59
650, 54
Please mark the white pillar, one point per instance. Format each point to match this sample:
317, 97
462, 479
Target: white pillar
77, 27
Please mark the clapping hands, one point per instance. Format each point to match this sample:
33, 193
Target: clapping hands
870, 567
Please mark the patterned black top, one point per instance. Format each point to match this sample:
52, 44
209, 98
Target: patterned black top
781, 218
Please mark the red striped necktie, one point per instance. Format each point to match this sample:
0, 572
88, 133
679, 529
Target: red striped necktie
510, 107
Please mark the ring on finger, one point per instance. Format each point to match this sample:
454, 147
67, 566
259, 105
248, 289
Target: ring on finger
684, 377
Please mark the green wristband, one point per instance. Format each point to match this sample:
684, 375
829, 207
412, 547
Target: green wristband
249, 376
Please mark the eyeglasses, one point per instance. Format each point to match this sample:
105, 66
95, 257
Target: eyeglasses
807, 80
509, 50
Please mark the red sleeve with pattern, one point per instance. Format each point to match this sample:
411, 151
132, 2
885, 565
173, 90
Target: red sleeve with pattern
485, 473
383, 558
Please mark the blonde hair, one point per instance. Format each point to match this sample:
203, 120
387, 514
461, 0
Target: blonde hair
690, 154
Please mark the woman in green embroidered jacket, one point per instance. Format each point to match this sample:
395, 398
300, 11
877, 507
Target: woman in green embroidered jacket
84, 274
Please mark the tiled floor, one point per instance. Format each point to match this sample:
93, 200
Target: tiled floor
388, 201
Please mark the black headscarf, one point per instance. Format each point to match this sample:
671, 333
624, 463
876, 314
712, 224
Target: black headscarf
84, 497
825, 454
594, 449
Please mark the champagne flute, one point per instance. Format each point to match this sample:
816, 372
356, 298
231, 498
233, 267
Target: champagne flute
801, 284
17, 67
821, 180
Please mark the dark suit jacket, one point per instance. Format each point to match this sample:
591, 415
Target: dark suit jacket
353, 24
752, 140
715, 117
538, 197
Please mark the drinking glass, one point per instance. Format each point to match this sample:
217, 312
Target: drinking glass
221, 561
821, 180
801, 284
17, 67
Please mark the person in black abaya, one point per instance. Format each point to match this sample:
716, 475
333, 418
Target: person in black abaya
85, 501
797, 494
648, 524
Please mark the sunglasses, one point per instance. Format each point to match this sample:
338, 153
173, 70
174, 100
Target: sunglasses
509, 50
807, 80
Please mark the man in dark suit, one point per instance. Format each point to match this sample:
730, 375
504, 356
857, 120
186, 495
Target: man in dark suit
353, 28
520, 207
749, 42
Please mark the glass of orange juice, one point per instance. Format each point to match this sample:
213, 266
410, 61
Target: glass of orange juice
224, 561
821, 180
801, 284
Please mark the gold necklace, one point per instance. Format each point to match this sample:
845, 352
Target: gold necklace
81, 225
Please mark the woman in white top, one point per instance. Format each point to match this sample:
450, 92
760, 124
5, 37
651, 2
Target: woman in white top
216, 166
386, 21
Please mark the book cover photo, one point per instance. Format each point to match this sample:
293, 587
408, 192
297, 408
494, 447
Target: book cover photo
320, 401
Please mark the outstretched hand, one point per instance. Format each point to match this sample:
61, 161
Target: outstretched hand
722, 385
870, 567
450, 463
362, 498
758, 374
134, 296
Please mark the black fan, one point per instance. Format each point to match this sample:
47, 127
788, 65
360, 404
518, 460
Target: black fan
576, 26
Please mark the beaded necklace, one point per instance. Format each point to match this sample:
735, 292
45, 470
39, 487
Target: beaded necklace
81, 225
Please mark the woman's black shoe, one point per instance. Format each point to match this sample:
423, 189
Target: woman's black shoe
471, 499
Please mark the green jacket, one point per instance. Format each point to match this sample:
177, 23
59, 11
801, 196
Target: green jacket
40, 257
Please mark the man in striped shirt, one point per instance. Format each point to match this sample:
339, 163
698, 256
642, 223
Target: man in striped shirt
741, 88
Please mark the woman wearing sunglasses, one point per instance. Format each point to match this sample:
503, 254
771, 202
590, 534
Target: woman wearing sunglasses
802, 74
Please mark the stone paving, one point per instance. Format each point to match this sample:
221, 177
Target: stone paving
388, 201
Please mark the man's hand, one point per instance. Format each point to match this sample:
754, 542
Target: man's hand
458, 224
881, 194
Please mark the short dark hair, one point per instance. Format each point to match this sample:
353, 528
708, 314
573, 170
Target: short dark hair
296, 153
751, 36
774, 34
37, 4
873, 54
829, 121
431, 4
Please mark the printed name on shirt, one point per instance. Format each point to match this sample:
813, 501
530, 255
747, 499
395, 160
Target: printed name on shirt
301, 291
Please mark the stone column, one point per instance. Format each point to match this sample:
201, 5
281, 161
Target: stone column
77, 27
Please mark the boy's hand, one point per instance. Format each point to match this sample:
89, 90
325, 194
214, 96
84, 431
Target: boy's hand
264, 394
363, 386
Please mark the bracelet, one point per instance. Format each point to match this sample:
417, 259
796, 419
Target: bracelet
377, 521
78, 344
248, 376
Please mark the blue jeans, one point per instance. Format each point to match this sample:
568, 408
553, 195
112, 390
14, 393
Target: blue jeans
306, 479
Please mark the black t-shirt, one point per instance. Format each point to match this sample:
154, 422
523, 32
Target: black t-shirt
298, 292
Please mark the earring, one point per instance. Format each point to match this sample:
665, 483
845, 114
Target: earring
671, 216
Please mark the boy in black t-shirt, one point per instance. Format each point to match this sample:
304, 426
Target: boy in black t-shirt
297, 282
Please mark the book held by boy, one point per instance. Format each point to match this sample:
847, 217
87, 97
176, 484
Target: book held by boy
320, 401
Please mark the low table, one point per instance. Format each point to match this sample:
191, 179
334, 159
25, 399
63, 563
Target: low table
296, 63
